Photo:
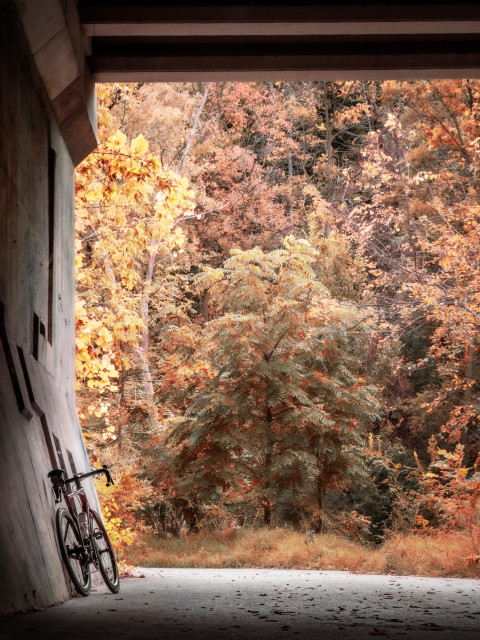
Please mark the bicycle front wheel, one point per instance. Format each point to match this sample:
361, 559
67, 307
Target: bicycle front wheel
73, 552
105, 553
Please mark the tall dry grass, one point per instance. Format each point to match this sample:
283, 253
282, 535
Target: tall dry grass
435, 554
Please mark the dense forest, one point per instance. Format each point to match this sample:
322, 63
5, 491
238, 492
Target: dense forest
278, 306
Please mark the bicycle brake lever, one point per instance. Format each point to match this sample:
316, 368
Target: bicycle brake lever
109, 477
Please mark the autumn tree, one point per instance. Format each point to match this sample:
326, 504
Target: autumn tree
417, 218
128, 209
272, 395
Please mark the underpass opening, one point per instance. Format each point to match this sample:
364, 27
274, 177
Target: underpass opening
53, 51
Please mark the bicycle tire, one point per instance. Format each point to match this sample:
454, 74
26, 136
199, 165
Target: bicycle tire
75, 562
107, 562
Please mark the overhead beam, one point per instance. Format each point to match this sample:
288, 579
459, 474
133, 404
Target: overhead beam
281, 20
268, 39
215, 29
306, 74
171, 60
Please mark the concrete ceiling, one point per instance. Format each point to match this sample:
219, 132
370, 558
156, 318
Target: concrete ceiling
265, 40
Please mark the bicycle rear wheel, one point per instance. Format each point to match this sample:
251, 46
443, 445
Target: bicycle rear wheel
73, 552
105, 553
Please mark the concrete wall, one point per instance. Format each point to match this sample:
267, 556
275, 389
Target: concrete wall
38, 422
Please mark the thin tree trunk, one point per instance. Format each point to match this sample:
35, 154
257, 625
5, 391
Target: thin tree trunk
321, 504
329, 148
141, 351
267, 506
469, 372
121, 400
193, 130
468, 396
142, 355
328, 140
362, 83
205, 301
290, 176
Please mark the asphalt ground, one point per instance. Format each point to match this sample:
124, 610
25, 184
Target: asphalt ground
249, 603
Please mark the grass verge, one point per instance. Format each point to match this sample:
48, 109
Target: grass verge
436, 554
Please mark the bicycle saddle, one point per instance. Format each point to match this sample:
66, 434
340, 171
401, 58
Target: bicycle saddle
57, 474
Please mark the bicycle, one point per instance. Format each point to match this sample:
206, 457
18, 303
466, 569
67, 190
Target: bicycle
82, 536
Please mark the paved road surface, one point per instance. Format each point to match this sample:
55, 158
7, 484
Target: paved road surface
198, 604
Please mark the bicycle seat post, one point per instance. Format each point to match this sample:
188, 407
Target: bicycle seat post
78, 484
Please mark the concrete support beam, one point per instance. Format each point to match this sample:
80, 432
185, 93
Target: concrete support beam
54, 36
268, 40
172, 59
280, 20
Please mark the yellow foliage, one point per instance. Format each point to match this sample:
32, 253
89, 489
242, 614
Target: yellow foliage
128, 208
119, 503
139, 145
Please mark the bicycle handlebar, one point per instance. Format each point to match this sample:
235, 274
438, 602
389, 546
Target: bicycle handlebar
59, 478
81, 476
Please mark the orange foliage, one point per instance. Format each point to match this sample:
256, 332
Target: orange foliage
383, 180
119, 505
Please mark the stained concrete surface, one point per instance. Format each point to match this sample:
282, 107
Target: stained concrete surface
250, 603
